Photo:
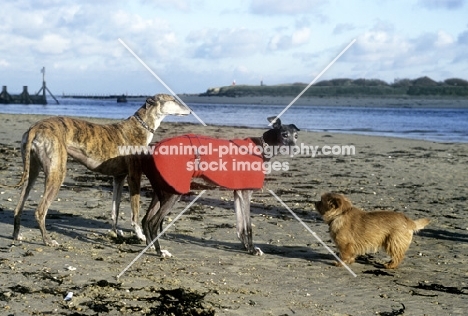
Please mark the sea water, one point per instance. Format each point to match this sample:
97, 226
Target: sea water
434, 124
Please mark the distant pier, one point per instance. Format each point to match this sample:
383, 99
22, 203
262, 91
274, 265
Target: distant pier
22, 98
26, 98
121, 98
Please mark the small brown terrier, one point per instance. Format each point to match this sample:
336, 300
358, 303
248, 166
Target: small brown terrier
356, 232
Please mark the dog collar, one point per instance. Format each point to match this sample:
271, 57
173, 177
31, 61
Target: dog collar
264, 147
144, 124
264, 144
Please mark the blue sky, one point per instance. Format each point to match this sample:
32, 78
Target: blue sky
196, 44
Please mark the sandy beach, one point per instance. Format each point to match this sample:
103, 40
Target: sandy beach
210, 273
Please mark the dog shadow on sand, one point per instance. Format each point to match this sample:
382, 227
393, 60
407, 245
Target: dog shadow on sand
293, 252
67, 224
443, 234
75, 226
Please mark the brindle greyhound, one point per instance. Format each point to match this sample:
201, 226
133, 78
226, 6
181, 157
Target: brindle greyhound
48, 142
164, 197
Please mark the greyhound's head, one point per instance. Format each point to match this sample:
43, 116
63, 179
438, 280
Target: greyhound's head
281, 136
156, 108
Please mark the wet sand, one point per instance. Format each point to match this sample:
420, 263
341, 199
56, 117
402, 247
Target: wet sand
210, 273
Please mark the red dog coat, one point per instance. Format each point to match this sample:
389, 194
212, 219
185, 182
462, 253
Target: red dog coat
235, 164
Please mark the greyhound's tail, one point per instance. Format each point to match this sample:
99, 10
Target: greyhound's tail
26, 144
420, 224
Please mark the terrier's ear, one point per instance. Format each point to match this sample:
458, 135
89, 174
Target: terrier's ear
340, 202
276, 121
334, 203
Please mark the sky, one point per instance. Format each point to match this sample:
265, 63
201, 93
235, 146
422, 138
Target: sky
193, 45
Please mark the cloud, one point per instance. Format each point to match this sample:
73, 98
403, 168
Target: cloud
148, 36
300, 36
388, 53
387, 49
463, 38
52, 44
271, 7
279, 42
383, 26
184, 39
304, 21
433, 43
4, 63
375, 46
441, 4
234, 42
180, 5
82, 36
341, 28
444, 39
284, 42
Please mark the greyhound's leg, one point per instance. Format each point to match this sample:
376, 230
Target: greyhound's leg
244, 226
54, 169
156, 216
134, 185
116, 197
34, 169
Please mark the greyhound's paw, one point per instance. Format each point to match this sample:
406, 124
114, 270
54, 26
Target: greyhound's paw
19, 237
139, 234
165, 254
53, 243
258, 251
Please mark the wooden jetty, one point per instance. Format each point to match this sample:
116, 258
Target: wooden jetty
26, 98
22, 98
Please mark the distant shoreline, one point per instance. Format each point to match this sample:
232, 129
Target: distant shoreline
434, 102
351, 101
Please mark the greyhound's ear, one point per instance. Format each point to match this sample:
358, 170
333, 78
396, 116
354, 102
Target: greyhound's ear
277, 122
149, 102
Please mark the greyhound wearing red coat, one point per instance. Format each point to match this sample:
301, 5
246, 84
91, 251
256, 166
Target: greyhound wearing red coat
168, 186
